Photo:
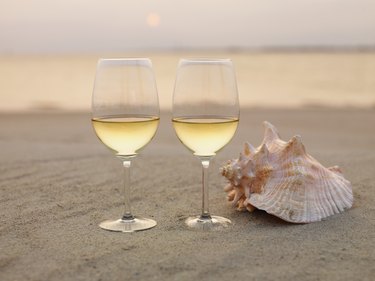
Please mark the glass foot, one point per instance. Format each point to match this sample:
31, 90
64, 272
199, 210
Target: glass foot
129, 225
208, 223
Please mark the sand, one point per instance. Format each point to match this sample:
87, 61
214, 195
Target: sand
57, 182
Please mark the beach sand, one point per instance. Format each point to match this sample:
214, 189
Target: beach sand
58, 182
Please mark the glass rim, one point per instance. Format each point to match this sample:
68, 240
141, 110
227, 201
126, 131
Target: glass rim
206, 60
124, 62
124, 59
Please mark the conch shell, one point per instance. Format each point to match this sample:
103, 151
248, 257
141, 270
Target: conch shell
282, 179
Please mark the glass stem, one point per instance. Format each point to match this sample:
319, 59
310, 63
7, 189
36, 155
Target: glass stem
205, 210
127, 213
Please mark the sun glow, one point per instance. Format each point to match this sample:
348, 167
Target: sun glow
153, 20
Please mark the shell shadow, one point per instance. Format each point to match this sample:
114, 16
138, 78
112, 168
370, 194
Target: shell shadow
262, 218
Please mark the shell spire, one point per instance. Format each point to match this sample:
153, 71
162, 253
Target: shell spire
282, 179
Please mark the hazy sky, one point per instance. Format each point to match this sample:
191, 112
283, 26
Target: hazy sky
37, 26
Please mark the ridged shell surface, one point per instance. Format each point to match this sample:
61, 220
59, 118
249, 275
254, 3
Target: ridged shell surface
282, 179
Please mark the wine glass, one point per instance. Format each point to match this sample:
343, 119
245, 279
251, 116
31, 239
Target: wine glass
125, 117
205, 118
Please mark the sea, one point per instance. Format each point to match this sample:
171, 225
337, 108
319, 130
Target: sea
265, 79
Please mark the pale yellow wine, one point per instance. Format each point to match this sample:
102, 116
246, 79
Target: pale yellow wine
125, 135
205, 136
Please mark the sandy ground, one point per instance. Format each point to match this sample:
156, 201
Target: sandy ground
57, 182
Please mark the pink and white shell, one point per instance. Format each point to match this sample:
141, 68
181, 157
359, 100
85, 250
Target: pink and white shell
282, 179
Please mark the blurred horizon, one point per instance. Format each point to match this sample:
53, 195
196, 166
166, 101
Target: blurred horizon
333, 49
265, 79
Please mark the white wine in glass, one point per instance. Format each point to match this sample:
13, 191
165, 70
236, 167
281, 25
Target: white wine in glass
205, 118
125, 117
126, 135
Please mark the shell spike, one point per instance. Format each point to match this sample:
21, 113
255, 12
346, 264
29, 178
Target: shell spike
242, 157
248, 149
270, 132
335, 169
228, 187
248, 170
261, 157
264, 150
296, 146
